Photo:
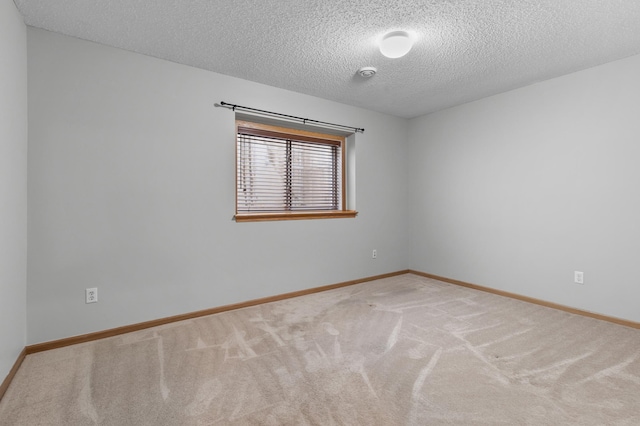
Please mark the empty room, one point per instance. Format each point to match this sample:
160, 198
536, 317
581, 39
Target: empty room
319, 212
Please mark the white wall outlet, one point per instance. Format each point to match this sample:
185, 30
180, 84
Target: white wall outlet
374, 254
578, 277
91, 295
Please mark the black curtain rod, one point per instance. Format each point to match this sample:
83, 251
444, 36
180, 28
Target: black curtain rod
290, 117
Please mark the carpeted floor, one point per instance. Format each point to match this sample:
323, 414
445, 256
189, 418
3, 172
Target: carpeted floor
399, 351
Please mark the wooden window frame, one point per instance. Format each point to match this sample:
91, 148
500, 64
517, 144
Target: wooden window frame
300, 135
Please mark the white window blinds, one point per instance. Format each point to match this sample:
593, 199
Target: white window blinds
279, 172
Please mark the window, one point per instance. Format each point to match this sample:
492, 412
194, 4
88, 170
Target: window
284, 173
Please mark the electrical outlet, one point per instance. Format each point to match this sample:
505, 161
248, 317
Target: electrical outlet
91, 295
374, 254
578, 277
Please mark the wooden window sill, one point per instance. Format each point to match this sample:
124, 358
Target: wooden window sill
262, 217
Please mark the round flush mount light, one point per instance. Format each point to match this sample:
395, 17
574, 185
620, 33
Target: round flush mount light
396, 44
367, 72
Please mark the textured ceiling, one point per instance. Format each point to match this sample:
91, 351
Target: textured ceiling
465, 49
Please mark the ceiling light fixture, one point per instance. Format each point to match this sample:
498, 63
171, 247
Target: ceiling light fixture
396, 44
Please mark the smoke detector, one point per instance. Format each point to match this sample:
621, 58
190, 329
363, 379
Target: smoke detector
367, 72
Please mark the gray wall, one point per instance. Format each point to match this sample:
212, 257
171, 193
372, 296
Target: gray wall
13, 185
131, 190
518, 190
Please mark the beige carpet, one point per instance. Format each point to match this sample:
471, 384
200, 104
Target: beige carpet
398, 351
